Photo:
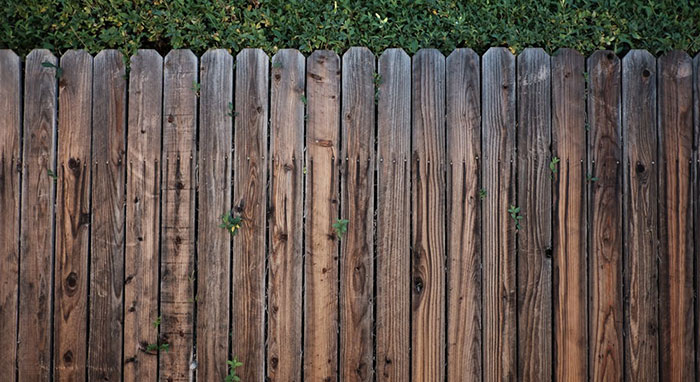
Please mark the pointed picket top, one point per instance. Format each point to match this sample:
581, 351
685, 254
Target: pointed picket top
567, 52
258, 53
46, 61
108, 54
75, 52
182, 58
8, 55
286, 55
466, 54
601, 57
676, 63
428, 53
394, 54
320, 57
359, 52
144, 58
498, 51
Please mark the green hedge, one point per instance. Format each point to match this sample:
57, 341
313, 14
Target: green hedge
307, 25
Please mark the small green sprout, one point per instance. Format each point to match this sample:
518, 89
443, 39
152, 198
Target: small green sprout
233, 365
52, 175
304, 100
156, 347
590, 178
157, 322
231, 113
231, 223
553, 166
196, 87
340, 227
515, 214
482, 194
378, 80
59, 71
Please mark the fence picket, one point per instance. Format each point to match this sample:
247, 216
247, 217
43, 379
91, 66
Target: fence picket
107, 235
321, 262
498, 235
428, 225
286, 218
143, 178
605, 170
250, 193
570, 213
214, 199
37, 217
535, 167
357, 206
639, 208
10, 140
178, 276
393, 217
464, 339
675, 71
72, 216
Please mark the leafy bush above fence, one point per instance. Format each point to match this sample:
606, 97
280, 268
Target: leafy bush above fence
584, 25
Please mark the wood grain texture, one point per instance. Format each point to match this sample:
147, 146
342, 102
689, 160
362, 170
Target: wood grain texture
357, 206
321, 263
641, 218
10, 171
107, 236
286, 220
676, 294
498, 229
250, 201
393, 273
463, 216
696, 190
143, 215
570, 297
605, 230
428, 221
177, 238
37, 218
72, 216
535, 201
214, 196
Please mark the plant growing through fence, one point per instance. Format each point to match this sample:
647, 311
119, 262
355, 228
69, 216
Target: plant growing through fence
515, 214
156, 323
231, 223
196, 87
156, 347
52, 175
232, 366
231, 113
553, 166
59, 71
341, 227
590, 178
482, 194
377, 81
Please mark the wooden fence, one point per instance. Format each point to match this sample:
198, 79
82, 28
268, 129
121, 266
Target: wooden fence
531, 217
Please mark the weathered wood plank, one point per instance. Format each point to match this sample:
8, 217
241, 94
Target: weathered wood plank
640, 211
357, 206
535, 202
393, 271
428, 222
286, 220
676, 294
143, 215
37, 217
696, 191
498, 235
321, 263
250, 201
10, 162
605, 150
72, 216
214, 196
463, 216
177, 272
107, 236
569, 225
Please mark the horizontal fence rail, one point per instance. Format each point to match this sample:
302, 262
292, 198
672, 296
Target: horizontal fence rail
351, 218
